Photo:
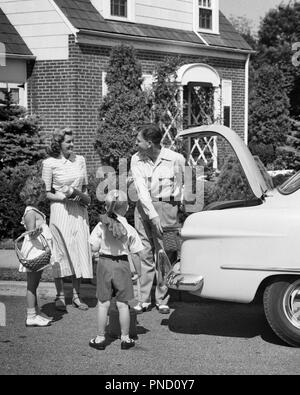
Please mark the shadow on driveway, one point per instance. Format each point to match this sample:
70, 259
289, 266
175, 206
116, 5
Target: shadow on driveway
222, 319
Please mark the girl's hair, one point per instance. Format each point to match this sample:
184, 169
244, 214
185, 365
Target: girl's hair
58, 137
119, 200
32, 190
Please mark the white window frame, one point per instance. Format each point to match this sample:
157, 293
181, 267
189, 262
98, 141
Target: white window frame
130, 11
215, 18
22, 92
147, 83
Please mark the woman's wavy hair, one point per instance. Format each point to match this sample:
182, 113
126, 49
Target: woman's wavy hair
58, 137
32, 190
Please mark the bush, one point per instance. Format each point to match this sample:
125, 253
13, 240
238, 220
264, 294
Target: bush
21, 139
123, 108
232, 183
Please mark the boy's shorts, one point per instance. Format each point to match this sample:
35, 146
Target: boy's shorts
114, 279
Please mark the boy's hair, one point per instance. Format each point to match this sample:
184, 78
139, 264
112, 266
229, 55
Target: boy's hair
151, 132
32, 189
117, 199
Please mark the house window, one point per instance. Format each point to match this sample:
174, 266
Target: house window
19, 94
118, 8
205, 14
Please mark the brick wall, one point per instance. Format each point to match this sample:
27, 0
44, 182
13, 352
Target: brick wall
68, 93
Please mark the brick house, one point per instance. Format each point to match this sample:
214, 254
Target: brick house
15, 61
71, 41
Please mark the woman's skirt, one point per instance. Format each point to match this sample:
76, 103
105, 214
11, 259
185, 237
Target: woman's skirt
71, 249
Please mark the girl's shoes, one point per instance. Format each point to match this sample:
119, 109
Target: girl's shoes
37, 321
76, 302
60, 303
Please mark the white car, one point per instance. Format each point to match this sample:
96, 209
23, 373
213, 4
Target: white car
238, 250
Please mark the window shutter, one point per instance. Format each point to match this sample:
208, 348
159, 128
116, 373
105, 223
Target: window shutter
227, 102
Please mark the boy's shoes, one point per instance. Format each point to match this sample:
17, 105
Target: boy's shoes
127, 344
98, 346
163, 308
37, 321
142, 307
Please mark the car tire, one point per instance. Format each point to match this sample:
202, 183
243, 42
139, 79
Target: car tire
282, 309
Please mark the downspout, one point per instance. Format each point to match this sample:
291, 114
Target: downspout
246, 135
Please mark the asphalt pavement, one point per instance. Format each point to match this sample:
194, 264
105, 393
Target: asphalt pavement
197, 338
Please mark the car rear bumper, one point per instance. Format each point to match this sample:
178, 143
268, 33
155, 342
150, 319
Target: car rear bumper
184, 281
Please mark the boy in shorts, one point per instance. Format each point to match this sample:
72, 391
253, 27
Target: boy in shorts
113, 270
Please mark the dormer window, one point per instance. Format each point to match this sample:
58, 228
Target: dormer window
206, 16
118, 8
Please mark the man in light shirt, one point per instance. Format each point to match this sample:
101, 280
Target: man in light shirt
158, 177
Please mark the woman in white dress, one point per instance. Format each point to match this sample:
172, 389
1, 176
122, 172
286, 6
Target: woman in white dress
64, 171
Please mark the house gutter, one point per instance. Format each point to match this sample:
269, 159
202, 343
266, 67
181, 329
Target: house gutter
247, 99
18, 56
159, 41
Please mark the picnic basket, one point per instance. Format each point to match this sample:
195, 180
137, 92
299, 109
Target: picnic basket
38, 263
171, 239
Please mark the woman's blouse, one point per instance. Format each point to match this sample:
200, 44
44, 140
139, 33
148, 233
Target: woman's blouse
60, 172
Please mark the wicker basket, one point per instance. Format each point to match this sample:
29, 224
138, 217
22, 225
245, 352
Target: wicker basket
38, 263
171, 239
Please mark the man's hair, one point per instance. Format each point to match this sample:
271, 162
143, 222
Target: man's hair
119, 200
151, 132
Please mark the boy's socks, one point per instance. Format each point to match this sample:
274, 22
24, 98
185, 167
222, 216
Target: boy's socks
31, 313
125, 338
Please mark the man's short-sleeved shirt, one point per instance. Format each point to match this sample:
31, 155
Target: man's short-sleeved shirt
162, 180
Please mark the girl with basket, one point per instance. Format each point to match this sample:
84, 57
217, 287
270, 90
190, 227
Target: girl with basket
35, 253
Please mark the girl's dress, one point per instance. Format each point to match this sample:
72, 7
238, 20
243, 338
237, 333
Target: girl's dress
68, 220
32, 248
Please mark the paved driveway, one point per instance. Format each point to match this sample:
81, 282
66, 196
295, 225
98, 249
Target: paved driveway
196, 339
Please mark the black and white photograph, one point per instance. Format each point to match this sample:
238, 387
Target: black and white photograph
150, 190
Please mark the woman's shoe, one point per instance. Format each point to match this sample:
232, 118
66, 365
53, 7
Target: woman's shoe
76, 302
60, 303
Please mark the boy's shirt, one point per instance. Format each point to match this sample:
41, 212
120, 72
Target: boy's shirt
104, 241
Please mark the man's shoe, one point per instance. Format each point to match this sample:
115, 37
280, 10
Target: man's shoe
37, 321
126, 345
142, 308
163, 308
97, 346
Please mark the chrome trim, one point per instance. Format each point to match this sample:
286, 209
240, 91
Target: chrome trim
262, 269
291, 304
184, 281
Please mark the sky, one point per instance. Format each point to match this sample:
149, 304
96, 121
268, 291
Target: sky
253, 10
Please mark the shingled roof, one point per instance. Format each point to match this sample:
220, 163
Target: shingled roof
14, 44
84, 16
